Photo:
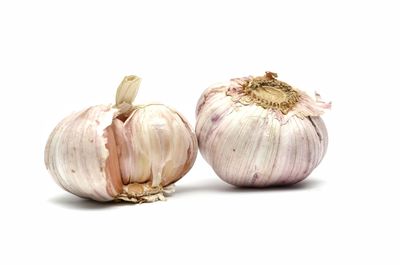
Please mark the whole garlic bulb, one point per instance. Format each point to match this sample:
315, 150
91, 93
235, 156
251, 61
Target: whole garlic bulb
122, 152
259, 131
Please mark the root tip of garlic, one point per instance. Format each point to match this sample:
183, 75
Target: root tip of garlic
144, 192
271, 75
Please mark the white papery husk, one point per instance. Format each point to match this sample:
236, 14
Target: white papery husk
248, 145
121, 152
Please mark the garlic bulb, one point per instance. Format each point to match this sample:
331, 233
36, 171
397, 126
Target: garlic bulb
259, 131
122, 152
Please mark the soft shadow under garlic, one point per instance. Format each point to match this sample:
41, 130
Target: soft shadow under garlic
304, 185
216, 186
76, 203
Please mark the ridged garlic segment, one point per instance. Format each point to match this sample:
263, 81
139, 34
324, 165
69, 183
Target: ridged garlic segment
259, 131
121, 152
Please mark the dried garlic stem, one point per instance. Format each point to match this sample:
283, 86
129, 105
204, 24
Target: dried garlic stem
127, 90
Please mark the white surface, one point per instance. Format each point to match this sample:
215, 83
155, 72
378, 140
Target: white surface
57, 57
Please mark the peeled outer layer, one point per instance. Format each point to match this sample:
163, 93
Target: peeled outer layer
248, 145
99, 155
76, 154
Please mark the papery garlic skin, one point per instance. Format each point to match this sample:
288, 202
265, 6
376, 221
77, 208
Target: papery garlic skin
121, 152
76, 154
249, 145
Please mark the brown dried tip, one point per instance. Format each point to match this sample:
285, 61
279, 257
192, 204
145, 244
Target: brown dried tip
271, 75
269, 92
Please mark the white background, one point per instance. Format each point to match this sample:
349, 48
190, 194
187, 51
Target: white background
61, 56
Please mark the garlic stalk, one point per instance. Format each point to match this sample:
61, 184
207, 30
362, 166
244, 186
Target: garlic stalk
123, 152
259, 131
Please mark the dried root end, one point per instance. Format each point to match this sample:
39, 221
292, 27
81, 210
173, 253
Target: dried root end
268, 92
144, 192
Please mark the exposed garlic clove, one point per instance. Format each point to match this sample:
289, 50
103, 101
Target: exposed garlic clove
260, 131
121, 152
159, 149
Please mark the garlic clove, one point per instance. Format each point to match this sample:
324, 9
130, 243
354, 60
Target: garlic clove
159, 149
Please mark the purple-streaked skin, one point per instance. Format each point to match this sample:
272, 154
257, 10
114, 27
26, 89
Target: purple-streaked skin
248, 145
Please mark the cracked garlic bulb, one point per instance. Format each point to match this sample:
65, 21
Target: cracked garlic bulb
122, 152
260, 131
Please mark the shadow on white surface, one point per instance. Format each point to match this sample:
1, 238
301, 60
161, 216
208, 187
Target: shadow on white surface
217, 186
73, 202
